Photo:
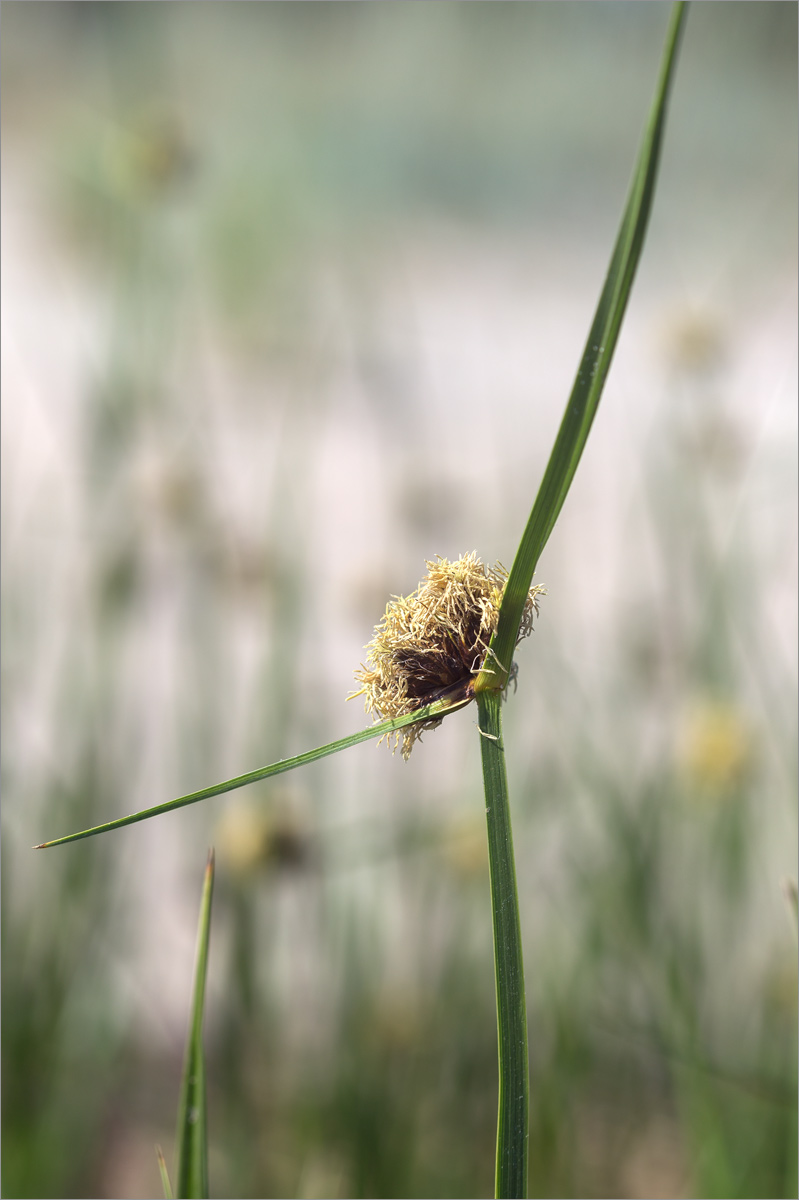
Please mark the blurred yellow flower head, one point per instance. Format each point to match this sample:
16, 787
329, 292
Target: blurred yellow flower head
716, 750
250, 840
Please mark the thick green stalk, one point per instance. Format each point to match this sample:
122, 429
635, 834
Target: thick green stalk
514, 1087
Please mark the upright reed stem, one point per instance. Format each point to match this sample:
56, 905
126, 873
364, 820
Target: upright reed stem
514, 1087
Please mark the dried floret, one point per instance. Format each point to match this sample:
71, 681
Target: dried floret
432, 644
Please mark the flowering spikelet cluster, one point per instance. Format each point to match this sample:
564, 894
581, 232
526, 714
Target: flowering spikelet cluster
431, 645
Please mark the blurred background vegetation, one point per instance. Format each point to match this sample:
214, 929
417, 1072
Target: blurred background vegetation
293, 295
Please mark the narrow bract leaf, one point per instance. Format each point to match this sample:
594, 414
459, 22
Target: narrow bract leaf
192, 1132
441, 708
594, 366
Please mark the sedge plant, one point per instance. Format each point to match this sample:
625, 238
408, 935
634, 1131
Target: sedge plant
452, 641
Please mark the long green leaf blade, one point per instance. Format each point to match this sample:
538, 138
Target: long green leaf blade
440, 708
192, 1133
592, 372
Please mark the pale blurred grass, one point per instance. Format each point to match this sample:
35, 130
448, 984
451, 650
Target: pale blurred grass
292, 299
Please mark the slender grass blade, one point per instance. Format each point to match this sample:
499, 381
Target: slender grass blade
192, 1132
165, 1184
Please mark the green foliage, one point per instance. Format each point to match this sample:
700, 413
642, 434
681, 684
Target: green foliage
513, 1120
594, 364
191, 1173
378, 730
652, 752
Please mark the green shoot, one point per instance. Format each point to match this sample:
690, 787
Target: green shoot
192, 1132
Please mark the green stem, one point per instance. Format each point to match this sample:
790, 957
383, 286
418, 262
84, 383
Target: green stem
514, 1085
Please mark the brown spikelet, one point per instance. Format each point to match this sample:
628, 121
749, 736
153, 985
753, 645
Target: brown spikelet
431, 644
